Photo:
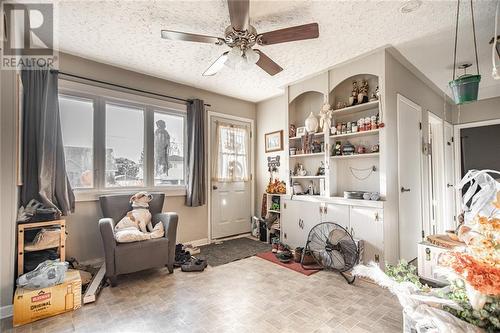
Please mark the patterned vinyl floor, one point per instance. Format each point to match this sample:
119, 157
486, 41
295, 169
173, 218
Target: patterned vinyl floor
250, 295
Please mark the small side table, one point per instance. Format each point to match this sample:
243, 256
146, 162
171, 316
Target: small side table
22, 227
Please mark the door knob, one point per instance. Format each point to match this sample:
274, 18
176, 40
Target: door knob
404, 189
449, 185
214, 187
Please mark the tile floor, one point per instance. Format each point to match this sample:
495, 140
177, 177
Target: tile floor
250, 295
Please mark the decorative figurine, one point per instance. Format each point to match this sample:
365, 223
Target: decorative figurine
292, 132
363, 92
353, 100
321, 169
325, 117
337, 149
316, 147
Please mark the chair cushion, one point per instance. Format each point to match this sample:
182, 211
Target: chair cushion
136, 256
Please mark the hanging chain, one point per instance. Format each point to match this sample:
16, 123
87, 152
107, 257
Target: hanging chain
372, 169
456, 38
474, 34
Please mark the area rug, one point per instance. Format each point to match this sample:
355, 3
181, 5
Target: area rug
297, 267
231, 250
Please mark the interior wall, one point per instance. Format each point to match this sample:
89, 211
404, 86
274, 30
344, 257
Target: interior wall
8, 188
486, 109
400, 80
84, 241
271, 116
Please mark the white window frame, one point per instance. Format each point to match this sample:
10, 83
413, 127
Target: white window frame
100, 96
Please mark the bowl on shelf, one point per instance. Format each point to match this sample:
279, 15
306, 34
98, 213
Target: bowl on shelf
354, 194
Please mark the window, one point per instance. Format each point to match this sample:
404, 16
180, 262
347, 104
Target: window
168, 149
232, 149
124, 146
118, 140
77, 131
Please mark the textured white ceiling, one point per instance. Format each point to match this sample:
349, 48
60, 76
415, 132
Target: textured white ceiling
127, 34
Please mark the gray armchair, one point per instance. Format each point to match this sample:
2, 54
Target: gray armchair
122, 258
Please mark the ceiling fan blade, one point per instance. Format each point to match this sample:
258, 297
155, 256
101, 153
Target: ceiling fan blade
267, 64
300, 32
239, 14
185, 36
217, 65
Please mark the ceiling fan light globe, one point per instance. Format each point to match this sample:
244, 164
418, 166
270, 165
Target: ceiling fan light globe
252, 56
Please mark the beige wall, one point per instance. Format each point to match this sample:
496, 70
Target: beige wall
84, 242
270, 117
485, 109
8, 188
400, 80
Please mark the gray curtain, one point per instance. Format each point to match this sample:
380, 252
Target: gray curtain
196, 182
44, 167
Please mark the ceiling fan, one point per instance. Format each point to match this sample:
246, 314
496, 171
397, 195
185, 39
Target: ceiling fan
240, 36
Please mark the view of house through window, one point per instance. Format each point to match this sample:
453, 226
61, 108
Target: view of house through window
124, 146
122, 141
77, 131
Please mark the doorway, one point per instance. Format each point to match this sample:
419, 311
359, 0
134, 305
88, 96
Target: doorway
231, 182
410, 177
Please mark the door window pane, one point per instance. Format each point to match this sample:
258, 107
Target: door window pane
168, 149
124, 146
77, 132
231, 153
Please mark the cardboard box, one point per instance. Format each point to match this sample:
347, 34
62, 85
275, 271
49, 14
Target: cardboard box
32, 305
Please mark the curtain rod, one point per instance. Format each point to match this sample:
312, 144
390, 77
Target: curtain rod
123, 87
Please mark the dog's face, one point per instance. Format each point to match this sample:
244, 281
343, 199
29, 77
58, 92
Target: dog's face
141, 197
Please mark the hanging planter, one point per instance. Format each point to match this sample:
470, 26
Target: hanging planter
465, 88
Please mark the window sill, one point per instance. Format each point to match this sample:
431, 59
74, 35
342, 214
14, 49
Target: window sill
92, 195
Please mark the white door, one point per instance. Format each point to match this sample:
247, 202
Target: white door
410, 177
367, 225
231, 196
449, 174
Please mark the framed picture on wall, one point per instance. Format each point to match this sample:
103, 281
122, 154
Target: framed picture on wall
274, 141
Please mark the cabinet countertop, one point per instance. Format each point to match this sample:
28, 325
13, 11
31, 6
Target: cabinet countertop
337, 200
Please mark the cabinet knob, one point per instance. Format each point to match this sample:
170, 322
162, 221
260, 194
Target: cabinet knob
405, 189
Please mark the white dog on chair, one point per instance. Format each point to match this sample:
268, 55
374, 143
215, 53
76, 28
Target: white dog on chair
136, 225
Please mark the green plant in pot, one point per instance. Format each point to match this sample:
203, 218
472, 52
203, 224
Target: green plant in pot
465, 87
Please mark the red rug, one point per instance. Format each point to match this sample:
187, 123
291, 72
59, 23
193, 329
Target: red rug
269, 256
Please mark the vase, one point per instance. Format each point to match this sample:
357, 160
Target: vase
312, 123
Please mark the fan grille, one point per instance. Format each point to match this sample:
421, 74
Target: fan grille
332, 247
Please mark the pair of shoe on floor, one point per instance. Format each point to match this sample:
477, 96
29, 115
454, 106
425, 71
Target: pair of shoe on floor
186, 262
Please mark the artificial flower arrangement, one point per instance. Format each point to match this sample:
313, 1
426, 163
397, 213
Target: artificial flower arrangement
276, 187
471, 303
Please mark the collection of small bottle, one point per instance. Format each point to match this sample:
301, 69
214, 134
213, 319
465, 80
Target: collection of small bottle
363, 124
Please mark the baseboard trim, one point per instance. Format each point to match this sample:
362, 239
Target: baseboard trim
198, 242
5, 311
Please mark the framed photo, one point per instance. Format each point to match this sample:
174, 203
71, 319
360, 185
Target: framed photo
274, 141
301, 131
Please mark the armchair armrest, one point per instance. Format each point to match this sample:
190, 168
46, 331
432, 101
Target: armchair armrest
109, 243
169, 221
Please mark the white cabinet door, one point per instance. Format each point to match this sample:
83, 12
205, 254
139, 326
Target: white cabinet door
367, 225
337, 214
297, 218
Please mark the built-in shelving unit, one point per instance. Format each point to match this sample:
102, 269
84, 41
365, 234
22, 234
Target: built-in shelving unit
355, 134
307, 177
307, 155
344, 157
356, 108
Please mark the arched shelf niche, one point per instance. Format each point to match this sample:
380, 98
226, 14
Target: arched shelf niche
342, 91
302, 105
